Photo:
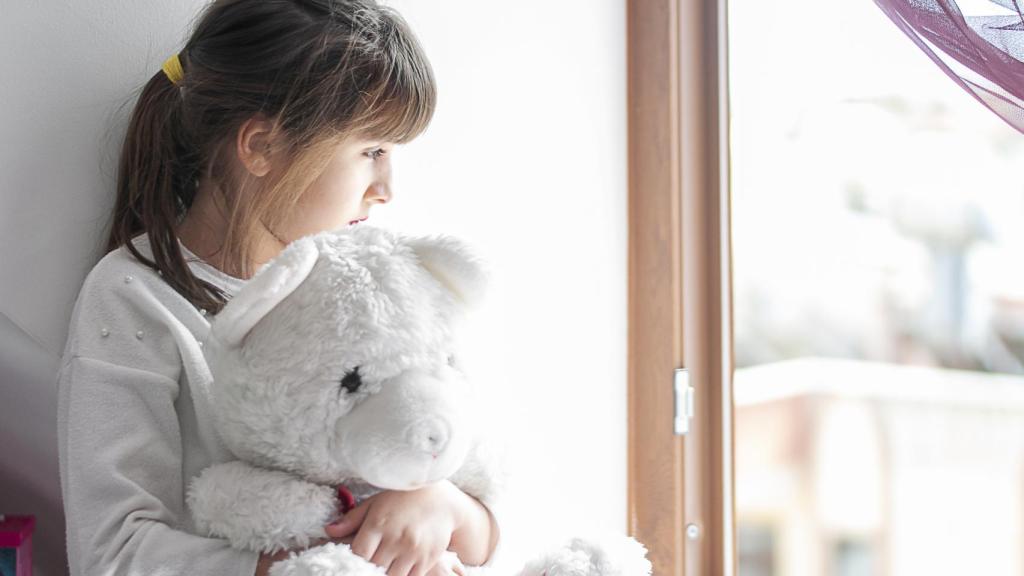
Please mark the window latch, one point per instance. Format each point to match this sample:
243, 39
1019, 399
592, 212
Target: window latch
683, 401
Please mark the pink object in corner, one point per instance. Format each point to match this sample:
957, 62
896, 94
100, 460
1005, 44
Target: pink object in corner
16, 545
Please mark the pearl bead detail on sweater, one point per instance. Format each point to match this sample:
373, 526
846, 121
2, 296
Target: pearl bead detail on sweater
202, 311
139, 334
127, 278
104, 332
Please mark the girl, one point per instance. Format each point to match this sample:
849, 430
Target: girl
276, 120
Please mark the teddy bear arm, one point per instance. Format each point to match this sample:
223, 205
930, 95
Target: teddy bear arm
484, 473
260, 509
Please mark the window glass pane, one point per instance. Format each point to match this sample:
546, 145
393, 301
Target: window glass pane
878, 253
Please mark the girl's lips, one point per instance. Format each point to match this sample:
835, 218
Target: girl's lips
360, 220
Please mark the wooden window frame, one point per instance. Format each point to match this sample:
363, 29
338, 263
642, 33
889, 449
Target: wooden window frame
680, 288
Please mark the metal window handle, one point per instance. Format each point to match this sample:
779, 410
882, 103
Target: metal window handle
683, 401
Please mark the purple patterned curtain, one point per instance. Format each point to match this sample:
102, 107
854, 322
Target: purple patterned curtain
984, 54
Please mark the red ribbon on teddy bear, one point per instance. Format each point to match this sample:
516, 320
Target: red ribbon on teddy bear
346, 501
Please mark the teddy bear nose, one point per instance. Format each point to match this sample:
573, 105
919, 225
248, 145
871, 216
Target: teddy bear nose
429, 435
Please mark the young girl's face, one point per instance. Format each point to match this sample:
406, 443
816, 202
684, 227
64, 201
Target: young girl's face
357, 177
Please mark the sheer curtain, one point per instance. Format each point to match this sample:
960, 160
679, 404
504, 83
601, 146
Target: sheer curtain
981, 49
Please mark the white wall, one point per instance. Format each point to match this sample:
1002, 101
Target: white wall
526, 159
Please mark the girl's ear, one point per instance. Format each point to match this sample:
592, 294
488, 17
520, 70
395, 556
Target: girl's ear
454, 264
266, 289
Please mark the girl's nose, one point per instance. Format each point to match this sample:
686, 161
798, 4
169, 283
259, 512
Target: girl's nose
379, 192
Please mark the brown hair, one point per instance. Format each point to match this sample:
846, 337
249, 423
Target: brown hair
322, 69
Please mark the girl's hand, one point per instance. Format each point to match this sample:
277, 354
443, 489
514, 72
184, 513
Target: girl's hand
406, 532
448, 565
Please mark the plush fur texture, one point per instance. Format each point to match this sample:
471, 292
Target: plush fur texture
336, 364
605, 554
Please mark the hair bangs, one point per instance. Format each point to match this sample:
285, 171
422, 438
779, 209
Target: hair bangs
400, 102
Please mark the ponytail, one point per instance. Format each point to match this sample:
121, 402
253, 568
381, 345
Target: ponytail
157, 178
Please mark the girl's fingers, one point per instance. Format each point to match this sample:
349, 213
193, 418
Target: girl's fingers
385, 555
458, 568
366, 543
444, 566
349, 523
401, 565
420, 568
423, 567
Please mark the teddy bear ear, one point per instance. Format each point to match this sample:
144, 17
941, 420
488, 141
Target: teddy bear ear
271, 284
454, 264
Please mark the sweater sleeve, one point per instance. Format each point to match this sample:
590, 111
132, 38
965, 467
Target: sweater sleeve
120, 444
120, 463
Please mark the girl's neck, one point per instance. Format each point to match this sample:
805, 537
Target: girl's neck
202, 232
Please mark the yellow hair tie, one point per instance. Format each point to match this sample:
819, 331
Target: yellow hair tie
173, 70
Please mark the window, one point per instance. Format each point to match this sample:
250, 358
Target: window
826, 233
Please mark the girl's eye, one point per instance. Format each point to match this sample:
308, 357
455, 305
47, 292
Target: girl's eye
351, 382
375, 154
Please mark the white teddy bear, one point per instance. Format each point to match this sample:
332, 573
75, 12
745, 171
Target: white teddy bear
334, 377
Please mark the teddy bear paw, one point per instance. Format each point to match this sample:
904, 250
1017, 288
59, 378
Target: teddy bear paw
611, 556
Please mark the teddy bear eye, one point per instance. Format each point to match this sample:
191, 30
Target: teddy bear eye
352, 381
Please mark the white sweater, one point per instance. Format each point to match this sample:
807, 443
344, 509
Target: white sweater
134, 425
